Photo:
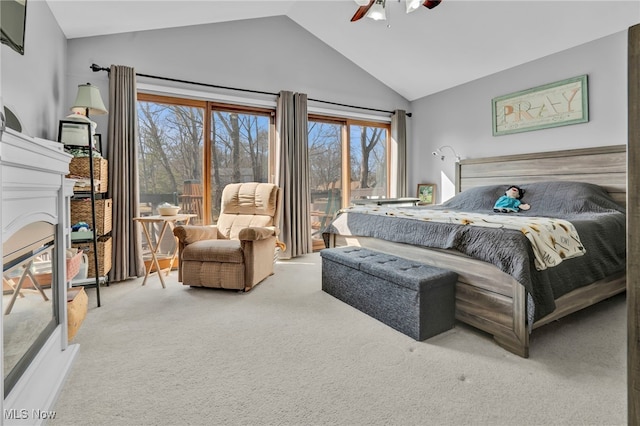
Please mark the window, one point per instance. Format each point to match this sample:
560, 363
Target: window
170, 153
240, 148
347, 159
187, 160
368, 147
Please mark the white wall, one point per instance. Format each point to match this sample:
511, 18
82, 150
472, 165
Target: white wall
461, 116
266, 54
33, 84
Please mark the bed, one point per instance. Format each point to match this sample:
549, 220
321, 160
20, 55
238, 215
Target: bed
510, 297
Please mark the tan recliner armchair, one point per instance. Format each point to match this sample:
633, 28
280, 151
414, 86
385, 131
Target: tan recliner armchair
238, 252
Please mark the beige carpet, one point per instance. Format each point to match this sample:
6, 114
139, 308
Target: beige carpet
288, 354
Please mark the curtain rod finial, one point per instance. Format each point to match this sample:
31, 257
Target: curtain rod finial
96, 68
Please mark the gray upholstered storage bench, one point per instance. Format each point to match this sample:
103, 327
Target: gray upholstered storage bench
411, 297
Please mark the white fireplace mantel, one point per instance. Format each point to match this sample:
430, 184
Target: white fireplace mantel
34, 188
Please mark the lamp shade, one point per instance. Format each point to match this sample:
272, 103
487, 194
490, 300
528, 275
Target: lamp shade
89, 99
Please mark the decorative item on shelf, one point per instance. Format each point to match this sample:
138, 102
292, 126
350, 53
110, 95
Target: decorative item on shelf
88, 101
75, 133
70, 135
97, 144
167, 209
73, 129
83, 271
81, 231
427, 193
11, 120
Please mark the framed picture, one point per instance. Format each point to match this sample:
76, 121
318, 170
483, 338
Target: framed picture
74, 133
551, 105
427, 193
97, 142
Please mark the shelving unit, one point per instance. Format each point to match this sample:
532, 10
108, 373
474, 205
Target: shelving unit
95, 195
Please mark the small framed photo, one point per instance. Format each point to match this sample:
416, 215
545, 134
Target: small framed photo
427, 193
97, 142
74, 133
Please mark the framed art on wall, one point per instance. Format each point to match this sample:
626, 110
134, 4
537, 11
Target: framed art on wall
551, 105
427, 193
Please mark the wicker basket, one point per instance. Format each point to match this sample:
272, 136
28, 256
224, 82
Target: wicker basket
44, 276
73, 265
104, 256
77, 302
79, 166
81, 212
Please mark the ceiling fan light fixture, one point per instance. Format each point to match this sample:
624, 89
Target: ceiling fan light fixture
413, 5
377, 11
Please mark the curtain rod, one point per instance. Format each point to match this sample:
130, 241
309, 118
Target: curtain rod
97, 68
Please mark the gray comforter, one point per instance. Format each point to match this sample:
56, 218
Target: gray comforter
599, 221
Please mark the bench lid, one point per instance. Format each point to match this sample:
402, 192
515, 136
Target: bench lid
407, 273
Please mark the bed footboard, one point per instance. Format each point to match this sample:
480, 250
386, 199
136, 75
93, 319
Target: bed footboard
486, 297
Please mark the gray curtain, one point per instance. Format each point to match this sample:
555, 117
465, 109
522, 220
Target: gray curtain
292, 173
399, 140
122, 145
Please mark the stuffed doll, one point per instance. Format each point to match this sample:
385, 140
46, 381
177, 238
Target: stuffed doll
80, 227
510, 201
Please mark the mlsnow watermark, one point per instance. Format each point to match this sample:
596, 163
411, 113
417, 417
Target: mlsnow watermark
28, 414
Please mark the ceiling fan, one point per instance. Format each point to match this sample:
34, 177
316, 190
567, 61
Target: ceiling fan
374, 9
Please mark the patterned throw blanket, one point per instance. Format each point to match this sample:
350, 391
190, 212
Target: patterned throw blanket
552, 240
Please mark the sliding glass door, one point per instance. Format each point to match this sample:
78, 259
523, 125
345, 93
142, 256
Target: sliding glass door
348, 159
325, 165
189, 150
240, 146
368, 148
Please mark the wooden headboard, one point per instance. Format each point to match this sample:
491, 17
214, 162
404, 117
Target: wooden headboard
604, 166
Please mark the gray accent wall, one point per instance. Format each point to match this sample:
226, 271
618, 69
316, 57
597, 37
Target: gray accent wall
33, 83
461, 116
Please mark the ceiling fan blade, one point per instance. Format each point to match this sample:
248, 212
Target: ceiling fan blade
430, 4
362, 10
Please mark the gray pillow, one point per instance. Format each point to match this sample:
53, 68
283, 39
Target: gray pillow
550, 199
563, 198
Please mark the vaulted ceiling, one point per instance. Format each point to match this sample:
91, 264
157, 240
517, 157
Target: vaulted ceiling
415, 54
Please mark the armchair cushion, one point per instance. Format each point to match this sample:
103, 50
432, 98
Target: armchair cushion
189, 234
223, 251
256, 233
247, 205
